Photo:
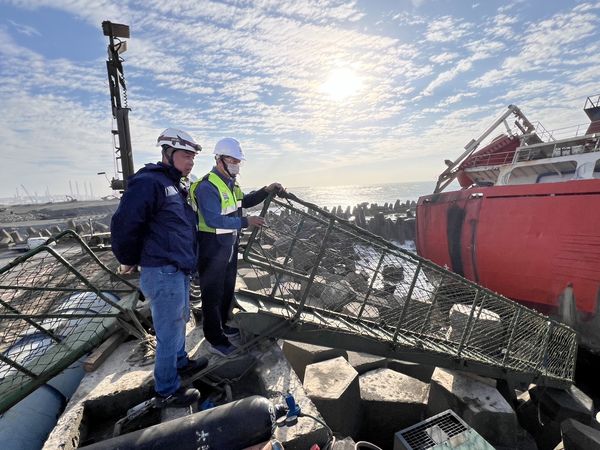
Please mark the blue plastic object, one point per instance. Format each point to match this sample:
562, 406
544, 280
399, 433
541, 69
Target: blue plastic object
293, 408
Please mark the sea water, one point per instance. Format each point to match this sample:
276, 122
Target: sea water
352, 195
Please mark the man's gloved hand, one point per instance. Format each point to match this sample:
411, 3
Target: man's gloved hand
255, 221
275, 187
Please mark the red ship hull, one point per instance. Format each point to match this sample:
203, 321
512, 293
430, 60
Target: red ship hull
527, 242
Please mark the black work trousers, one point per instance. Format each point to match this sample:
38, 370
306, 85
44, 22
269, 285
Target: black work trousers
217, 270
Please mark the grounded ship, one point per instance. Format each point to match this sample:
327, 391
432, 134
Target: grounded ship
525, 221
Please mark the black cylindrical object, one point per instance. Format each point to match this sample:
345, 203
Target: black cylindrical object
236, 425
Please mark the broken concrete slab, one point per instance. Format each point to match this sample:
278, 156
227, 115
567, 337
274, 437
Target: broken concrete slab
577, 436
391, 401
301, 355
255, 279
333, 387
364, 362
477, 402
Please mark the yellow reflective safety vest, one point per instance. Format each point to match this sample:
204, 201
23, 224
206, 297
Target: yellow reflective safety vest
231, 201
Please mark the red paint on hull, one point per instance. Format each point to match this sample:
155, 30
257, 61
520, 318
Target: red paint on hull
527, 242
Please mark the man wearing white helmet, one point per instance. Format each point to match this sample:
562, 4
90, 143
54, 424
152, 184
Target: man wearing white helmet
218, 201
155, 227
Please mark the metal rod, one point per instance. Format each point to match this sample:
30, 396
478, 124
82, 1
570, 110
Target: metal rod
287, 256
430, 309
55, 289
21, 316
313, 272
513, 329
17, 366
407, 301
370, 288
468, 324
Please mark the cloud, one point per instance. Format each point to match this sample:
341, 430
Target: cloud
27, 30
447, 29
443, 58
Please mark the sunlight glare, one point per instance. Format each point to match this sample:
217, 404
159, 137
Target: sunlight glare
341, 84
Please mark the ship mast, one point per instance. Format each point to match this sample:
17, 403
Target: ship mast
118, 98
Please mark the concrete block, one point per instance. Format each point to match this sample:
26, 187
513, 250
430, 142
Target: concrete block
55, 230
487, 331
364, 362
16, 237
478, 403
353, 309
577, 436
344, 444
422, 372
544, 410
333, 387
337, 294
301, 355
358, 281
391, 401
255, 279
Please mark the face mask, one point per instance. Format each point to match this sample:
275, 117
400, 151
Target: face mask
233, 169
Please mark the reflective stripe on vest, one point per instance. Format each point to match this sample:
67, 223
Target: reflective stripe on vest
230, 202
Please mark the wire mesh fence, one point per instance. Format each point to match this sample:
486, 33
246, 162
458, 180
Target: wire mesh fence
57, 302
328, 272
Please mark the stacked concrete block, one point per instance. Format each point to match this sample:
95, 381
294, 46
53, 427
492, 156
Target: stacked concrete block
16, 237
301, 355
544, 409
333, 387
364, 362
255, 279
478, 402
422, 372
391, 401
577, 436
486, 332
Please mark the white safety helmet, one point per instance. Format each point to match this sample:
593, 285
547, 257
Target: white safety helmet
179, 140
229, 147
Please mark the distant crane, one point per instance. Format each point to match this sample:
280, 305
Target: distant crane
28, 194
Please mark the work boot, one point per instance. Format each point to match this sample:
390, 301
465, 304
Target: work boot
221, 350
181, 397
193, 366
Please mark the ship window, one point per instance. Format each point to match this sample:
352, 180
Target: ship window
543, 173
597, 169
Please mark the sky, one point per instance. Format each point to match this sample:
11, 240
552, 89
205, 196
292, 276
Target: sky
319, 92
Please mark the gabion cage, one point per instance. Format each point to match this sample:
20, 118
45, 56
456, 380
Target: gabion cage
57, 302
328, 274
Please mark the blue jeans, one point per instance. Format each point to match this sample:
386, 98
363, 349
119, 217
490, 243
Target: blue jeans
167, 288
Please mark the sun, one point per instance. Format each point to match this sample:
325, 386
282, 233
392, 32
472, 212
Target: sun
341, 84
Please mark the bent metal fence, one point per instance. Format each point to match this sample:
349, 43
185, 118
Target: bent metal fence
328, 277
57, 302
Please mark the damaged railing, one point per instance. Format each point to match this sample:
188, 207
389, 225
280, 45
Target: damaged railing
57, 302
331, 276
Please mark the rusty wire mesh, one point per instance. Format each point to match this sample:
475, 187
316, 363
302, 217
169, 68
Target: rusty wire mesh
330, 273
56, 303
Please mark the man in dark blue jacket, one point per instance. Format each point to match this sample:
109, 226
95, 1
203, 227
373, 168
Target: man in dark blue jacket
155, 227
219, 200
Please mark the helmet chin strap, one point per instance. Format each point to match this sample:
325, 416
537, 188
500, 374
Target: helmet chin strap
169, 155
225, 167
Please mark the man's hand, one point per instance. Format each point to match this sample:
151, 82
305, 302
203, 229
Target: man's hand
127, 270
274, 187
255, 221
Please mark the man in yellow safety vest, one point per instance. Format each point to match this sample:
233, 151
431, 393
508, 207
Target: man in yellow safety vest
218, 201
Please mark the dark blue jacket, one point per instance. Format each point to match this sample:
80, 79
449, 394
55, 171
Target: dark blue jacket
154, 225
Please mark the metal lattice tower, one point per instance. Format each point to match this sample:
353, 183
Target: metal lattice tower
334, 284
